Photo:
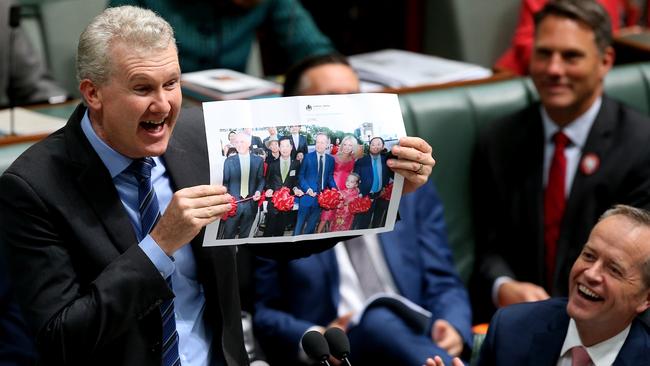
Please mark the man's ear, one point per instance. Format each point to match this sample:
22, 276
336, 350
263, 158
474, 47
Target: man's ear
607, 61
90, 94
645, 304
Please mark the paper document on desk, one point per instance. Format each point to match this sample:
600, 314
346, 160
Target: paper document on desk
398, 68
289, 210
224, 84
413, 314
28, 122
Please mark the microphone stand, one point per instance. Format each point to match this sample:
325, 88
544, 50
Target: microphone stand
14, 23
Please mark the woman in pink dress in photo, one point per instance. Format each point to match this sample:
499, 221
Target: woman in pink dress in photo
343, 165
342, 217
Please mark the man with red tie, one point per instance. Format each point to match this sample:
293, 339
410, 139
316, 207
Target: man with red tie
544, 175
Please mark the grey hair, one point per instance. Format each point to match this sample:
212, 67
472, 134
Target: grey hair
141, 29
322, 134
640, 217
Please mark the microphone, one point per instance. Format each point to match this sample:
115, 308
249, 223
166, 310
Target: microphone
339, 344
316, 347
14, 16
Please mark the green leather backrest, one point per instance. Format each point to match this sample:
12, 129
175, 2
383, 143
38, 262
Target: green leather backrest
449, 120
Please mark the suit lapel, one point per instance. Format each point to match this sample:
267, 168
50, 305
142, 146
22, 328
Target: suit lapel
96, 185
547, 344
599, 142
635, 349
328, 260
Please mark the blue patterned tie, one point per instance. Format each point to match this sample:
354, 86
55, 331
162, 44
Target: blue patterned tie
149, 215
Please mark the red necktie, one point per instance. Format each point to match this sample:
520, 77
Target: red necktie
554, 202
580, 357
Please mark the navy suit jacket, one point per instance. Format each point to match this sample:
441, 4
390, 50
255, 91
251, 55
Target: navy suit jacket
302, 146
308, 177
363, 167
232, 175
533, 334
293, 296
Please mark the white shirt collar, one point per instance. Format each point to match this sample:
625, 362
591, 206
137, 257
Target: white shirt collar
577, 130
603, 353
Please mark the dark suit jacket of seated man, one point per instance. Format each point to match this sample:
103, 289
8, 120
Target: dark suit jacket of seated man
296, 295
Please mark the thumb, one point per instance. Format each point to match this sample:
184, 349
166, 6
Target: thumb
438, 330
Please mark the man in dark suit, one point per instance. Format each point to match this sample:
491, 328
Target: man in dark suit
374, 177
90, 274
298, 143
316, 174
296, 296
282, 172
243, 177
16, 343
545, 175
609, 286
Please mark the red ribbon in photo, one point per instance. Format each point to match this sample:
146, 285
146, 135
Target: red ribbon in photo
282, 199
360, 205
388, 191
329, 199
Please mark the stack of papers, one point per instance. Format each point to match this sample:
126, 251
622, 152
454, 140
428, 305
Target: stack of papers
224, 84
398, 69
28, 122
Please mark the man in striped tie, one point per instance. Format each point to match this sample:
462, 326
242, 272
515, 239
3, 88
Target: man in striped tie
105, 216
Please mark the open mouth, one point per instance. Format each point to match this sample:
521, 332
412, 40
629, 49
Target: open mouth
587, 294
153, 126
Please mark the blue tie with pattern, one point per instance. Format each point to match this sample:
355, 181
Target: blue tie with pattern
149, 215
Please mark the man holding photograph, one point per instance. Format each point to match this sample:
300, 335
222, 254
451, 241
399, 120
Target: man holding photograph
93, 267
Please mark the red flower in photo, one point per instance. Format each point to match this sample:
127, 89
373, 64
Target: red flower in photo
233, 209
360, 205
388, 191
282, 199
329, 199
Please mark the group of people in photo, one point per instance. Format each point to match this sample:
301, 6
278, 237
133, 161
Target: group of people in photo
255, 170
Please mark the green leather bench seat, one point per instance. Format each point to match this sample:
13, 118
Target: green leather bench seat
449, 120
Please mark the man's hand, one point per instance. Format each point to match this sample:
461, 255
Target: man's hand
437, 361
311, 192
257, 196
299, 156
298, 192
513, 292
414, 162
269, 193
445, 336
189, 210
341, 322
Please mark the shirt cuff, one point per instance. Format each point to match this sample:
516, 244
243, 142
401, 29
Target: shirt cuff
495, 288
160, 259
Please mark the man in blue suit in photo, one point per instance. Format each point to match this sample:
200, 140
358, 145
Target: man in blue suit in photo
328, 288
298, 143
374, 177
609, 285
316, 174
243, 176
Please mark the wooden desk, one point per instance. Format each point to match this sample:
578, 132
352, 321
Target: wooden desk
497, 76
61, 111
632, 45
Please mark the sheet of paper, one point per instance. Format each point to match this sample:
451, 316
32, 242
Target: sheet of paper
361, 116
28, 122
